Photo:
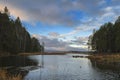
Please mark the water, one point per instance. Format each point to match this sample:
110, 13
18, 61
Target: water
64, 67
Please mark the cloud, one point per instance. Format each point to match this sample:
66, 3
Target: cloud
110, 14
52, 44
53, 11
80, 40
82, 15
44, 11
54, 35
81, 28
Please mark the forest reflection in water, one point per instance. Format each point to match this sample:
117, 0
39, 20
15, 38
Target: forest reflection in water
112, 68
67, 67
16, 65
59, 67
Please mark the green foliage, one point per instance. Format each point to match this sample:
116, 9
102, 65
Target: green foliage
35, 45
13, 36
107, 38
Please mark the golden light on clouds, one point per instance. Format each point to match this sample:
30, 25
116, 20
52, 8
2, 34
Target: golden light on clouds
16, 12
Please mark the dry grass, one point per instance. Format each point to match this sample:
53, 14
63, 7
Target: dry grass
105, 58
27, 54
5, 76
106, 61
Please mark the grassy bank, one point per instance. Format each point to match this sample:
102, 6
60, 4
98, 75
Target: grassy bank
106, 61
105, 57
5, 76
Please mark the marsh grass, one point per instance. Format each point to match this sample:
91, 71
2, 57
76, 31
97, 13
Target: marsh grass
5, 76
105, 58
106, 61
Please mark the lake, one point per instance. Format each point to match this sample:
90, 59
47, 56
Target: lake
60, 67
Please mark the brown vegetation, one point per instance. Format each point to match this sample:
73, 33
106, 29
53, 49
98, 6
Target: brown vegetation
5, 76
106, 61
105, 58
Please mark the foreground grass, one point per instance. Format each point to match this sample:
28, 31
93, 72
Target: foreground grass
5, 76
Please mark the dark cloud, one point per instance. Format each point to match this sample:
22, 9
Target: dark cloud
55, 11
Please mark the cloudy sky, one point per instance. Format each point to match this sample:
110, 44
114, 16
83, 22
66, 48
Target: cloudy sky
63, 24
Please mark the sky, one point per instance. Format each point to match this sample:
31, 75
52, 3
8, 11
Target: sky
63, 25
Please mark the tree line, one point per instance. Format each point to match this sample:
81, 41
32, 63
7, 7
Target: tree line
14, 38
107, 38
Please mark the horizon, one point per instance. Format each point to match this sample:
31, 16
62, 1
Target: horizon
63, 25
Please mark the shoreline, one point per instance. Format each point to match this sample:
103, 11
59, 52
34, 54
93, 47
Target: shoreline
45, 53
36, 53
105, 61
39, 53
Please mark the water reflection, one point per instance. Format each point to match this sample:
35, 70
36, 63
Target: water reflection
16, 65
106, 65
108, 69
65, 67
17, 61
58, 67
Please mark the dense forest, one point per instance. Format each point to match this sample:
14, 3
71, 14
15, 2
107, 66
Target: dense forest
14, 38
107, 38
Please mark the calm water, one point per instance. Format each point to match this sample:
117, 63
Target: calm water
65, 67
59, 67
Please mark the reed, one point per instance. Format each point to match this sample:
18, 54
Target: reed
4, 76
105, 58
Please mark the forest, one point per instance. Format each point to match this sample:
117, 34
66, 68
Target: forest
107, 38
14, 38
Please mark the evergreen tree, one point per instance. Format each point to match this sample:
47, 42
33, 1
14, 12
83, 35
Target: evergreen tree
107, 38
36, 47
14, 38
6, 11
